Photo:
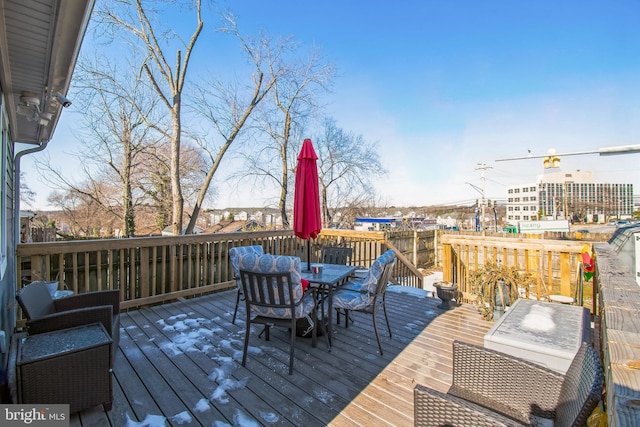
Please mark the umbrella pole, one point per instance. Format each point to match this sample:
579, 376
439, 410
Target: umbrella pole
309, 254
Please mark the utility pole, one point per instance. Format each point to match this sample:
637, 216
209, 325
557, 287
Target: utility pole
482, 167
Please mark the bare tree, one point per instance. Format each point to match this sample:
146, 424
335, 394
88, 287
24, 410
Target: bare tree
359, 205
27, 195
82, 216
114, 134
136, 16
295, 96
126, 163
153, 178
347, 164
117, 129
98, 188
228, 108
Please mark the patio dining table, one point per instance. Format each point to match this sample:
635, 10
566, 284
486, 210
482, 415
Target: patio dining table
329, 277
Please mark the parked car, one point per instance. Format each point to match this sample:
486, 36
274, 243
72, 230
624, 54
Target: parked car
622, 223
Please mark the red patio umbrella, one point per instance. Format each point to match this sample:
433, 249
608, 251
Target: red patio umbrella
306, 201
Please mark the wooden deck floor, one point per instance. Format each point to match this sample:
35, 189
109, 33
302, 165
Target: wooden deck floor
178, 364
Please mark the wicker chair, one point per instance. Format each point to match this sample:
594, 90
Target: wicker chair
491, 388
44, 314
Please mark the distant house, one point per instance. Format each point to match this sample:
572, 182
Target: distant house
168, 231
234, 227
39, 45
269, 218
241, 216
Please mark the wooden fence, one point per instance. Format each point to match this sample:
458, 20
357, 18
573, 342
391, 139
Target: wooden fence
553, 264
154, 269
618, 335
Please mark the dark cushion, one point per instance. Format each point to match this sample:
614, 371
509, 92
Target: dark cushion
35, 300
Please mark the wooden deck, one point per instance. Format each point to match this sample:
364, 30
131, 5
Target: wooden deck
178, 364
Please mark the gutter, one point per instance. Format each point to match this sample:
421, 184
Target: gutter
18, 156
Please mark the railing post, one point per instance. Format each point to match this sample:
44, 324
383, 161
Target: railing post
447, 263
435, 247
565, 274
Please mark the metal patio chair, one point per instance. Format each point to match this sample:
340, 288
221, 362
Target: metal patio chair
336, 255
274, 296
366, 300
234, 256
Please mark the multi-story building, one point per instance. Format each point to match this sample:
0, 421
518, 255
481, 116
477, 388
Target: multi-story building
568, 195
522, 203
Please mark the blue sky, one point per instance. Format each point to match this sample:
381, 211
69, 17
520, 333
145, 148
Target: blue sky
441, 86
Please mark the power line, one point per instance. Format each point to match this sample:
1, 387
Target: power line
608, 151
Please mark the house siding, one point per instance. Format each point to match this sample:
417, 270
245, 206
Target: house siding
8, 239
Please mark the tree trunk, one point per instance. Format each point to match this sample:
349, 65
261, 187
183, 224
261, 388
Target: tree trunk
128, 216
285, 170
257, 97
326, 215
176, 189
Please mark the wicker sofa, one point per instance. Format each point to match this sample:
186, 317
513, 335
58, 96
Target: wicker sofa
491, 388
44, 314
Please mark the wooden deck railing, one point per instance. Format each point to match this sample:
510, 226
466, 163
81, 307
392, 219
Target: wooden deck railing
618, 335
368, 245
553, 264
154, 269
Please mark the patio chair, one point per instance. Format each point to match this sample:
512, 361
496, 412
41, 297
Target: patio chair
274, 296
234, 256
372, 274
44, 314
366, 300
368, 281
335, 255
491, 388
